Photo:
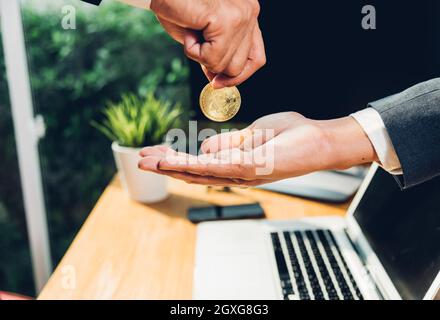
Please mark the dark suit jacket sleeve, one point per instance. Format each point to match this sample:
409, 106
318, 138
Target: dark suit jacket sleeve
412, 119
97, 2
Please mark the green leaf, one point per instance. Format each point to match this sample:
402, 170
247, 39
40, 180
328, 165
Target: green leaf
136, 122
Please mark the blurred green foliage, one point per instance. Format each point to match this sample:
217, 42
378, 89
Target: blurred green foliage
135, 122
115, 49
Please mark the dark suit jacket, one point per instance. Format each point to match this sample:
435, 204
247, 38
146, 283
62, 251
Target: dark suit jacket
412, 119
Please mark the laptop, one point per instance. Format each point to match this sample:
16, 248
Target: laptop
330, 186
386, 247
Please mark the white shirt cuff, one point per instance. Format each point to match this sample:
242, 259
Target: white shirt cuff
370, 120
143, 4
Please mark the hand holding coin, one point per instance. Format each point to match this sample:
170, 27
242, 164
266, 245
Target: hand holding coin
220, 104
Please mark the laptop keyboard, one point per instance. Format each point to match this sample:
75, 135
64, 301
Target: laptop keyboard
311, 266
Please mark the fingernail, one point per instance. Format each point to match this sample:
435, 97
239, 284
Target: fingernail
203, 148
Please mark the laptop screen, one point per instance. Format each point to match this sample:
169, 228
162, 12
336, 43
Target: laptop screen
403, 228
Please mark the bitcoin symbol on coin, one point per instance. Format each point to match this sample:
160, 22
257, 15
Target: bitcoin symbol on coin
220, 104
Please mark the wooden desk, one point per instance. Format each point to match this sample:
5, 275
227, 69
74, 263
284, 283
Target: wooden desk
127, 250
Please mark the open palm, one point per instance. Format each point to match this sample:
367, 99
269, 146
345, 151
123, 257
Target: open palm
274, 147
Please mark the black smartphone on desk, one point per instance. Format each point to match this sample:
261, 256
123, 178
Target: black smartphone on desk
214, 213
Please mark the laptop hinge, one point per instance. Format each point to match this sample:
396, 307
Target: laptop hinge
363, 259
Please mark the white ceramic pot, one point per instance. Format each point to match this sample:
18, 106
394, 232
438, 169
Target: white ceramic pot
142, 186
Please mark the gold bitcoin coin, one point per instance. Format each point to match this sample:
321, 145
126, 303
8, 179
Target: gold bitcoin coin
220, 104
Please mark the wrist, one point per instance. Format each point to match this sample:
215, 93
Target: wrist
346, 143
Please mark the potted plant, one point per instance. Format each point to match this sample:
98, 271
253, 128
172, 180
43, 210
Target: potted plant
134, 123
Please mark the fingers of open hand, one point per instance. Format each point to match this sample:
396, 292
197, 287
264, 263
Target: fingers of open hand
213, 181
227, 140
196, 179
247, 140
150, 163
152, 156
229, 163
226, 164
229, 167
259, 137
158, 150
